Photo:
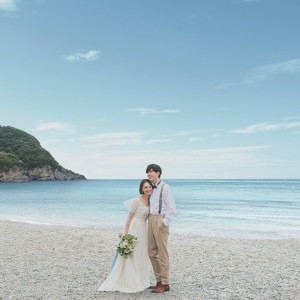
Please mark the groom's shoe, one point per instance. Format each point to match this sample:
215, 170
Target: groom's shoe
155, 286
161, 288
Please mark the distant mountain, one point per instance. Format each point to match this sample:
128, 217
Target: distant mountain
22, 158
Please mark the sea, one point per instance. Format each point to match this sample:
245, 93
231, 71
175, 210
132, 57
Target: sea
246, 209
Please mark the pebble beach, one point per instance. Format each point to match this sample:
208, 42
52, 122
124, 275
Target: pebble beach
63, 262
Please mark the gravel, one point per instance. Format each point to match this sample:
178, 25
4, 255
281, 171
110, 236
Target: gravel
60, 262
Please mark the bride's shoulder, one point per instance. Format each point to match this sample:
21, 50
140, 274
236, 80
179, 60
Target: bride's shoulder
133, 202
135, 199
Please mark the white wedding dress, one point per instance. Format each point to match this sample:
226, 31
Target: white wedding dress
131, 275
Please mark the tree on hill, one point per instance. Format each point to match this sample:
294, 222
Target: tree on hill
9, 161
18, 148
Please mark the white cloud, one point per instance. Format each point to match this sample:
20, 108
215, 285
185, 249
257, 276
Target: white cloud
266, 127
204, 163
266, 72
100, 119
113, 135
291, 118
187, 132
194, 139
42, 126
8, 5
226, 85
120, 139
120, 142
231, 156
79, 56
146, 111
234, 149
151, 142
123, 142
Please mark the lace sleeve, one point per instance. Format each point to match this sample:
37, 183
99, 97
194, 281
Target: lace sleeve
132, 204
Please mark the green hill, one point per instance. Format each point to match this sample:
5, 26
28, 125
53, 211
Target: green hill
26, 148
22, 151
8, 161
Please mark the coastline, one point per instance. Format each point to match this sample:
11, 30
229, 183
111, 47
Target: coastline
41, 261
264, 210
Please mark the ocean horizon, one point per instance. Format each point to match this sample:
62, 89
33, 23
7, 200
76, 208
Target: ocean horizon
227, 208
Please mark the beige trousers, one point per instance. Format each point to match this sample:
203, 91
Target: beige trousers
158, 234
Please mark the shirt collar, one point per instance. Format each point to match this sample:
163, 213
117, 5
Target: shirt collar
157, 184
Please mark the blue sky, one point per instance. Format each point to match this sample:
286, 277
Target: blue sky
206, 89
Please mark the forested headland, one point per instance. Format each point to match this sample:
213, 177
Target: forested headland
22, 158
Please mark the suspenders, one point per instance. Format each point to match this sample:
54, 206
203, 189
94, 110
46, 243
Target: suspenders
160, 199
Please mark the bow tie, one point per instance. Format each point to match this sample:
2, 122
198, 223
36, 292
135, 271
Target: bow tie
155, 186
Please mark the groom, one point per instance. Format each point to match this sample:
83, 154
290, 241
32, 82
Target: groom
162, 208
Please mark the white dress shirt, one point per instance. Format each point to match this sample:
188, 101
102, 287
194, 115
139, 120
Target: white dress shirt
168, 207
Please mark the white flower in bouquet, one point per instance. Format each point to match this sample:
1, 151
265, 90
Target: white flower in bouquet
126, 245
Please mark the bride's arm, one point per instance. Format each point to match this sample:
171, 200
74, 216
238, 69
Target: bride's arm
128, 222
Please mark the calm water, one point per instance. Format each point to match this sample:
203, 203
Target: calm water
224, 208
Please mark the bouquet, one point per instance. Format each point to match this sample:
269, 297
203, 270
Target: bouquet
126, 245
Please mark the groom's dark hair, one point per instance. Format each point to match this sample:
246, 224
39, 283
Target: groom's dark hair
155, 168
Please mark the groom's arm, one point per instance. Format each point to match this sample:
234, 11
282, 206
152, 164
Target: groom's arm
171, 207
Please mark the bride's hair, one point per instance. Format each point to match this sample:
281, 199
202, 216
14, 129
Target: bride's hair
142, 184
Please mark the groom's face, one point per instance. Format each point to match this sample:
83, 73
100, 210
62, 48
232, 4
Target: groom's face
153, 176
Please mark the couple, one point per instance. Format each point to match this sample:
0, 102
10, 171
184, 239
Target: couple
156, 203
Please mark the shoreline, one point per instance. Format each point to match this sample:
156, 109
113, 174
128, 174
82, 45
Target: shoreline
112, 228
63, 262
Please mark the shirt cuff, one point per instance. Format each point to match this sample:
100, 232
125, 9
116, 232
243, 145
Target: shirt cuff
166, 221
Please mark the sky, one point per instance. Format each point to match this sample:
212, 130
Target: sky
207, 89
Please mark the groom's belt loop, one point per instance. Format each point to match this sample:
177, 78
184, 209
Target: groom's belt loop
160, 198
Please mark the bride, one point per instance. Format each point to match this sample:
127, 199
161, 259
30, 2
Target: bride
131, 275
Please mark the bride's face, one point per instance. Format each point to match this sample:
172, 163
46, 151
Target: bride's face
147, 188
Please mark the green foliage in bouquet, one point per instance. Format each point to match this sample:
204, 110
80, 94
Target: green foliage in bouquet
126, 245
